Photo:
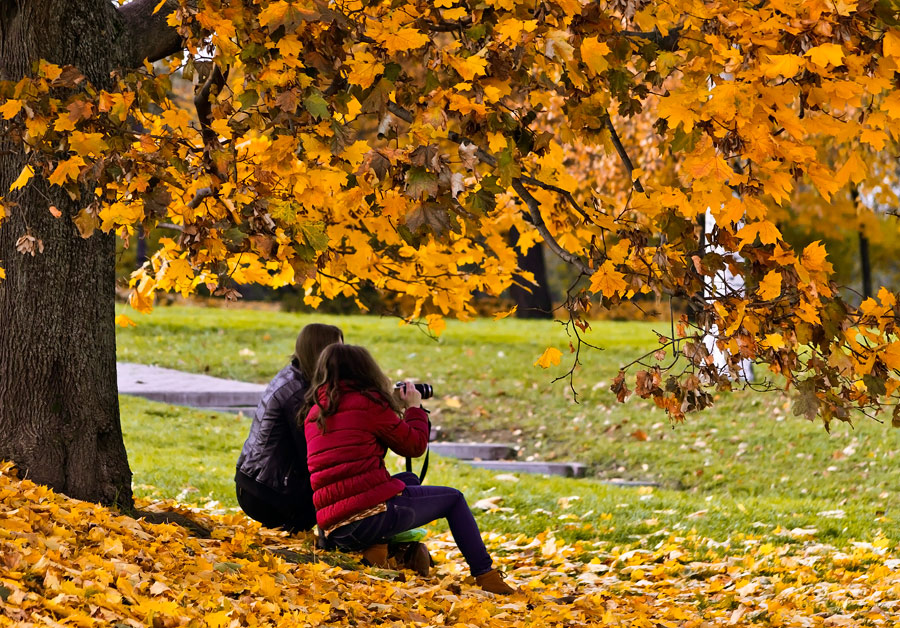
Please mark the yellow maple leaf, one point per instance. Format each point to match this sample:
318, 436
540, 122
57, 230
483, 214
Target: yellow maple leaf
364, 68
436, 324
770, 286
550, 357
2, 273
891, 106
10, 108
891, 44
824, 179
593, 53
510, 29
468, 68
66, 170
274, 13
890, 355
854, 169
765, 230
826, 54
774, 341
501, 315
608, 281
705, 161
402, 40
808, 312
23, 178
676, 109
782, 65
49, 70
124, 321
813, 258
87, 143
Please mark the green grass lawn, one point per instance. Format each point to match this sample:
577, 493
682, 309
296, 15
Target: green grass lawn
747, 466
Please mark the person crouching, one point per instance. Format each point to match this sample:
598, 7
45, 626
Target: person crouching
353, 418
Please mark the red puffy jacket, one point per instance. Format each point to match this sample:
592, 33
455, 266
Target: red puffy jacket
346, 461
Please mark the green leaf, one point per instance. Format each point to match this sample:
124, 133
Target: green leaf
420, 182
392, 71
875, 385
314, 234
317, 106
227, 567
4, 593
507, 168
477, 31
248, 98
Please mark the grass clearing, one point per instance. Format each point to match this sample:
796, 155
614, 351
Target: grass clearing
747, 466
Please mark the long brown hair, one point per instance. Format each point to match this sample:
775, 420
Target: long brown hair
343, 368
311, 341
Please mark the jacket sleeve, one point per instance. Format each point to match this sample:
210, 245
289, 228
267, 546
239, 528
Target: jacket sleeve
407, 436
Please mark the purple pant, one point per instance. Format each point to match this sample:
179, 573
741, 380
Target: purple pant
416, 506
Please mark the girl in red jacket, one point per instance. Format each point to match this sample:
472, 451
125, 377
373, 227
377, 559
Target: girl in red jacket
354, 418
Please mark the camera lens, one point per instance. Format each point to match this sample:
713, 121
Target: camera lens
425, 390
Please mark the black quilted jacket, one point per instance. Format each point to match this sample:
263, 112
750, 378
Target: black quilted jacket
273, 460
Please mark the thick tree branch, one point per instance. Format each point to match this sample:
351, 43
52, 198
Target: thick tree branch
201, 195
204, 106
534, 208
669, 42
149, 35
443, 27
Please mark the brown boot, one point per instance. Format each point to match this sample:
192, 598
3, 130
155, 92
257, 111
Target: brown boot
417, 558
492, 582
376, 556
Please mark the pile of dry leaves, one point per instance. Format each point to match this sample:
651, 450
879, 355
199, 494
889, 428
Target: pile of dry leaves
66, 562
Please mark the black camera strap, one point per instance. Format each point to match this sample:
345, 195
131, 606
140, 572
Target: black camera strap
424, 466
427, 451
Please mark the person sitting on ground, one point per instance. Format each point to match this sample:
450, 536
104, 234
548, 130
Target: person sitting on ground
353, 418
272, 480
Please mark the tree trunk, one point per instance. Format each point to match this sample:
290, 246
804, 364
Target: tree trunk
865, 265
59, 411
535, 303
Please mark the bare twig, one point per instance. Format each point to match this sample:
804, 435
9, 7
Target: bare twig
623, 154
201, 195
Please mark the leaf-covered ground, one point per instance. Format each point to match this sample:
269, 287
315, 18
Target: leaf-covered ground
71, 563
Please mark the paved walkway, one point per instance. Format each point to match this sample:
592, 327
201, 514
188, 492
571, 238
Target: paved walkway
187, 389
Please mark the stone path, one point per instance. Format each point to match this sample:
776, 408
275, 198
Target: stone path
204, 391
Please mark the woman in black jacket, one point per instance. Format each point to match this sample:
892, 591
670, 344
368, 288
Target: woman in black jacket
272, 479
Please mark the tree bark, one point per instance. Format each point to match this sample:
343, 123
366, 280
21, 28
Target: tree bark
59, 411
535, 303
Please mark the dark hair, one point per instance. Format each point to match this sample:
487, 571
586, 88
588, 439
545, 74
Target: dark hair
311, 341
342, 368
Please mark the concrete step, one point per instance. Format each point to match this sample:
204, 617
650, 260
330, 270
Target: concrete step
248, 411
615, 482
475, 451
565, 469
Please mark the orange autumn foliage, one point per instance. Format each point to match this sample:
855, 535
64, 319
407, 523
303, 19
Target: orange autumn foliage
394, 144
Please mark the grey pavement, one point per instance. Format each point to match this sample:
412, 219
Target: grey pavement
187, 389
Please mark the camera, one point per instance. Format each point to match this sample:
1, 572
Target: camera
424, 389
